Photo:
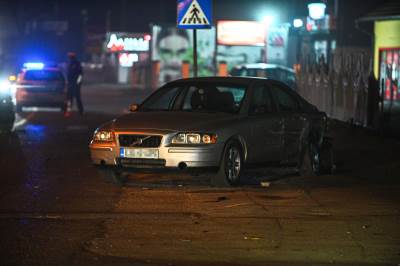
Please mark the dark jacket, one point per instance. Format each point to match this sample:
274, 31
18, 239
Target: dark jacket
73, 72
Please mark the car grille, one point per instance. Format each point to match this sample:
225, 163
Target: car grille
144, 141
141, 163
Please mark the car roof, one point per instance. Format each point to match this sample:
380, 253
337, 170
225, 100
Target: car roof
264, 66
229, 79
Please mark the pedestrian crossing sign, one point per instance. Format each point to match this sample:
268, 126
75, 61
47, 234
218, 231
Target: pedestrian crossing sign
194, 14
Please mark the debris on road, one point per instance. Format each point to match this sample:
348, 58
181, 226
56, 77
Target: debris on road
236, 205
222, 198
252, 238
265, 184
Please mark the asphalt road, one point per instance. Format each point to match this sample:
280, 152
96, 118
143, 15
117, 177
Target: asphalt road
56, 210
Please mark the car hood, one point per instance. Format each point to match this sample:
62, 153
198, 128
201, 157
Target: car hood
171, 121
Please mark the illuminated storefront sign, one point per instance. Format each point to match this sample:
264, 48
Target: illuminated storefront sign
124, 42
277, 44
387, 49
316, 10
389, 73
323, 24
128, 59
249, 33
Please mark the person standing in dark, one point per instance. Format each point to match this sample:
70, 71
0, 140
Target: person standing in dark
74, 78
374, 99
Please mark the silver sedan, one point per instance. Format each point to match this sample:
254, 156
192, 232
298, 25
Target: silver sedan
221, 123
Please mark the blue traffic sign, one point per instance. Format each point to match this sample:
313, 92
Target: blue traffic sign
194, 14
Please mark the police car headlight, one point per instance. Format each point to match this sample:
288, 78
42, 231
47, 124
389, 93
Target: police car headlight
5, 87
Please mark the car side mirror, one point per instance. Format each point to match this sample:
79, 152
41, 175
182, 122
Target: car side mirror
133, 107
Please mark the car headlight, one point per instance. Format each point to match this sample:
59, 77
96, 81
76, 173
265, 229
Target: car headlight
5, 87
194, 138
102, 135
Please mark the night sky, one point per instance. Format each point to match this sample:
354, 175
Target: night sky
137, 15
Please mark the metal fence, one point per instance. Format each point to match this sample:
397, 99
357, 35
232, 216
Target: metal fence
340, 88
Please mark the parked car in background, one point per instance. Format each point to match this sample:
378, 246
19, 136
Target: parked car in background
222, 123
272, 71
40, 85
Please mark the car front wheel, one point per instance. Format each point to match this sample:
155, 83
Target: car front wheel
310, 160
231, 166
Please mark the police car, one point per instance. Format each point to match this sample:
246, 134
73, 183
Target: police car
40, 85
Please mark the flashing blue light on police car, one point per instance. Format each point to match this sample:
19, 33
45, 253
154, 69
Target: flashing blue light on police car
34, 65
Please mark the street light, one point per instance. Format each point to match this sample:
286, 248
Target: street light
267, 20
316, 10
297, 23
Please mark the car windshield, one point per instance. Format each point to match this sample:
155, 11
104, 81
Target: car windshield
43, 75
199, 97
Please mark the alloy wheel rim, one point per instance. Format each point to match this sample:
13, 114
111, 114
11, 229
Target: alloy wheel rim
233, 164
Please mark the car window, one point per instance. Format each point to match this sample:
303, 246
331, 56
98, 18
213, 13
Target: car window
261, 101
162, 100
213, 98
285, 101
251, 72
43, 75
273, 73
261, 73
291, 77
306, 106
239, 72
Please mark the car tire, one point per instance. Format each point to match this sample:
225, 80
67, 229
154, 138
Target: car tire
310, 160
113, 176
231, 166
327, 158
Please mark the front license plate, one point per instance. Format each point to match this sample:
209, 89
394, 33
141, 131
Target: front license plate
139, 153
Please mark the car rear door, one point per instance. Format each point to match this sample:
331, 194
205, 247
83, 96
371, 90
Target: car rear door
266, 127
295, 121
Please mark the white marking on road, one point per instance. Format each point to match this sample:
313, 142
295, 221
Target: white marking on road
21, 121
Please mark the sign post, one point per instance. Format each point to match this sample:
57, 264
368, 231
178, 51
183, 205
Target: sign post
194, 53
194, 14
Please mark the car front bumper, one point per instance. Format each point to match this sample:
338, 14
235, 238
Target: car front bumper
168, 157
